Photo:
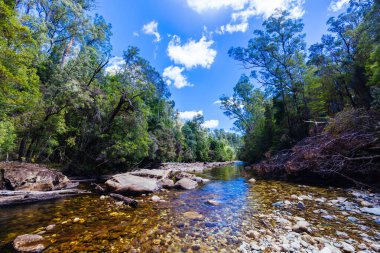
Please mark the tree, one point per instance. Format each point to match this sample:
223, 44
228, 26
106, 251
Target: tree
276, 58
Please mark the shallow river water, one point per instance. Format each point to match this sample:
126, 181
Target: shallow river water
185, 222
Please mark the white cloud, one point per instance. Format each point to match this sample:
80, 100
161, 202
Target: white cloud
202, 5
231, 28
115, 64
152, 29
173, 75
217, 102
193, 53
211, 123
188, 115
242, 10
337, 5
136, 34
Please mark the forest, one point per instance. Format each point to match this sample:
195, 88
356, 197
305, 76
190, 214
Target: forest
59, 105
300, 89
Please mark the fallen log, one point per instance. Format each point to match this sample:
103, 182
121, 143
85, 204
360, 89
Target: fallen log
128, 201
26, 197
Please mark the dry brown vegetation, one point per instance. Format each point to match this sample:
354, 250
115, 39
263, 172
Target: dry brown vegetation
347, 152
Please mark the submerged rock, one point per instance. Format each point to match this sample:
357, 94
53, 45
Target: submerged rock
186, 184
128, 183
29, 243
191, 215
213, 202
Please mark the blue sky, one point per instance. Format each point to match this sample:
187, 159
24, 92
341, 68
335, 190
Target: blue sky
187, 42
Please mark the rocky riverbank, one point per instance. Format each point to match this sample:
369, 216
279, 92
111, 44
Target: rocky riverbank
22, 183
284, 232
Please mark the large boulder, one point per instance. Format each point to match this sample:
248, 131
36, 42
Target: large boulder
30, 177
29, 243
186, 184
128, 183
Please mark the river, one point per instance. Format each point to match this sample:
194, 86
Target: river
185, 222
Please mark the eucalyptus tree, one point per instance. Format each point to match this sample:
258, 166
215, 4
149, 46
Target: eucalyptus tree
342, 55
276, 58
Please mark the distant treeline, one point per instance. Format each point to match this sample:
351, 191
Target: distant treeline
59, 105
301, 88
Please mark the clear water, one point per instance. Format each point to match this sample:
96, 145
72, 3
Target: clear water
105, 226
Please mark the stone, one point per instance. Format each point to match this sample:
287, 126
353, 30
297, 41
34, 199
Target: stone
347, 247
213, 202
253, 234
365, 204
191, 215
195, 247
252, 181
29, 243
31, 177
328, 217
332, 249
352, 219
50, 227
375, 247
373, 210
301, 226
342, 234
278, 204
300, 205
166, 183
128, 183
186, 184
200, 180
181, 175
155, 198
325, 250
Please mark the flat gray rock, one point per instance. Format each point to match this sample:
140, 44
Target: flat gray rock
128, 183
186, 184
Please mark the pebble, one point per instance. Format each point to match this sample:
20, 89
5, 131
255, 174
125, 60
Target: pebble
300, 205
347, 247
155, 198
342, 234
352, 219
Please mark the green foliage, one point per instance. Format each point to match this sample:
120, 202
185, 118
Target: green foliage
342, 72
59, 105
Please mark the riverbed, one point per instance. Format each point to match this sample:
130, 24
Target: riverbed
241, 216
